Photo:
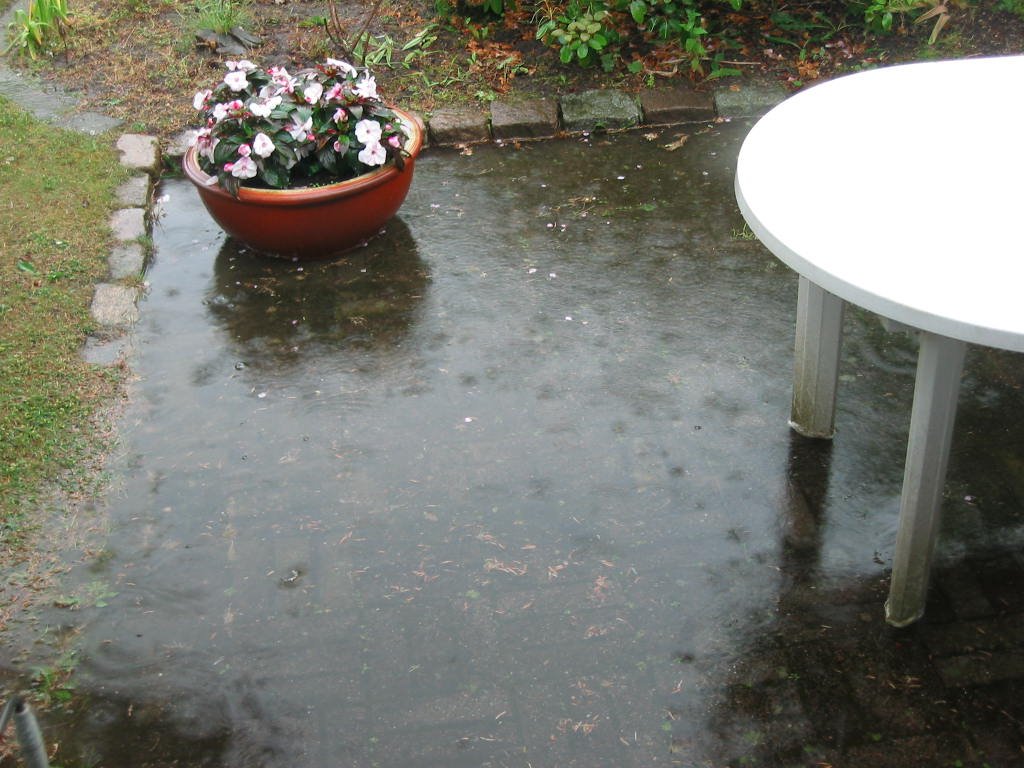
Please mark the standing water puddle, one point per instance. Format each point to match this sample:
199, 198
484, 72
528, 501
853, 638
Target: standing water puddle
511, 486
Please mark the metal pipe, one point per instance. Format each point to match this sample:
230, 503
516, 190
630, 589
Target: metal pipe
5, 716
30, 739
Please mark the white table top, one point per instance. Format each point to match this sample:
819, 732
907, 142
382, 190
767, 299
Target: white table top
901, 190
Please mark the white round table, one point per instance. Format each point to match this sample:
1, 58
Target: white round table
901, 190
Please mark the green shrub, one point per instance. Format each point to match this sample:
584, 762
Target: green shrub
588, 30
220, 16
497, 7
580, 32
1012, 6
33, 31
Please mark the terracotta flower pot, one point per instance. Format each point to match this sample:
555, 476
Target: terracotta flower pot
314, 222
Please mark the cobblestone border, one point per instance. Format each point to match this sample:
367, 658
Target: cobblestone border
115, 302
606, 109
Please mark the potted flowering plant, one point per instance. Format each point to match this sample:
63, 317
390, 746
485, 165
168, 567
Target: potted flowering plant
277, 153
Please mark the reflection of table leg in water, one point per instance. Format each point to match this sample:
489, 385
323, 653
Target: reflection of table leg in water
939, 365
807, 476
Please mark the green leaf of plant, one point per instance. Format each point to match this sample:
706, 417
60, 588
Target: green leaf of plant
939, 24
328, 160
284, 148
226, 150
717, 72
274, 176
638, 10
27, 266
230, 183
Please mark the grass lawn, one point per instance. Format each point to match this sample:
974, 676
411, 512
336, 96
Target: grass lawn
56, 194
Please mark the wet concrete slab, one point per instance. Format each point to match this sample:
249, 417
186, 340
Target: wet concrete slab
527, 119
599, 109
459, 125
749, 100
675, 105
513, 486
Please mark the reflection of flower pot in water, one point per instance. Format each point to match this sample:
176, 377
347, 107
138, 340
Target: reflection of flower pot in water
276, 310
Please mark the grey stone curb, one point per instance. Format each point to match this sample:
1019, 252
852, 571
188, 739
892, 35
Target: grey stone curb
115, 303
589, 111
607, 109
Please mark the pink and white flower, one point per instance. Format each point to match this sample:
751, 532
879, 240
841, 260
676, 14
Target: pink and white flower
262, 145
313, 92
263, 108
236, 80
222, 110
368, 131
205, 143
200, 100
334, 92
280, 77
373, 154
300, 131
243, 168
275, 112
343, 66
366, 88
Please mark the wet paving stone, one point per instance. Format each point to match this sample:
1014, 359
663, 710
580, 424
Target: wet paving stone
513, 486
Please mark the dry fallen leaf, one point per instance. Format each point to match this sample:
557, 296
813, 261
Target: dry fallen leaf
673, 146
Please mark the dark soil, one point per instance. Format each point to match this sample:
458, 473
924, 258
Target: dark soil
140, 60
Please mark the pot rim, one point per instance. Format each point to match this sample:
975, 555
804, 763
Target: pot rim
304, 195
